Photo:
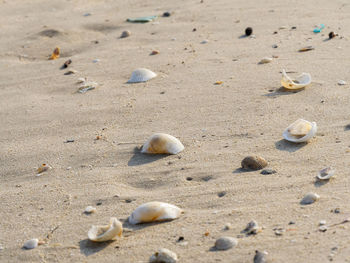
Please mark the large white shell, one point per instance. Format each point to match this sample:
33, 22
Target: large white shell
162, 143
154, 211
300, 131
141, 75
163, 255
309, 198
325, 174
300, 82
107, 232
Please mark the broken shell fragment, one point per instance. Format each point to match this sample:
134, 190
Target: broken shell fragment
153, 212
90, 209
163, 255
325, 174
161, 143
300, 82
107, 232
300, 131
154, 52
253, 163
55, 54
141, 75
308, 48
30, 244
309, 198
265, 60
225, 243
43, 168
252, 228
86, 86
260, 257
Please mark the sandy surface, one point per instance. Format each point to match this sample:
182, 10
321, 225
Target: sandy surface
218, 124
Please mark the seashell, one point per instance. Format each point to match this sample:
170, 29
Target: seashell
154, 211
300, 131
90, 209
225, 243
125, 34
260, 257
309, 198
86, 86
30, 244
253, 163
341, 82
325, 174
107, 232
43, 168
252, 228
323, 228
141, 75
55, 54
322, 222
161, 143
163, 255
154, 52
300, 82
308, 48
219, 82
265, 60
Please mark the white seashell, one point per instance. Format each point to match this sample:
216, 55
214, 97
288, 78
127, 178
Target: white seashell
322, 222
225, 243
300, 82
141, 75
309, 198
43, 168
162, 143
341, 82
265, 60
89, 210
325, 174
107, 232
154, 211
163, 255
300, 131
30, 244
252, 228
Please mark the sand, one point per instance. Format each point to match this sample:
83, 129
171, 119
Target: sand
218, 124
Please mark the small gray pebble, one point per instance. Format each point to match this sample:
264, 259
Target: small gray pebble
260, 257
268, 171
225, 243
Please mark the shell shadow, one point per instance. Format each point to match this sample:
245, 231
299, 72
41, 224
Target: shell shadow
140, 158
89, 248
241, 170
319, 183
243, 36
282, 91
284, 145
136, 227
213, 249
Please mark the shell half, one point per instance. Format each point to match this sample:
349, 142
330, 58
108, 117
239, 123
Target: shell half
107, 232
300, 131
300, 82
161, 143
153, 212
141, 75
325, 174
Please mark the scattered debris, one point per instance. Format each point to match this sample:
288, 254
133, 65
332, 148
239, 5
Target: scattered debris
268, 171
43, 168
90, 210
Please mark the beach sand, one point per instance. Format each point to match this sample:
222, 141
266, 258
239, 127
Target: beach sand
218, 124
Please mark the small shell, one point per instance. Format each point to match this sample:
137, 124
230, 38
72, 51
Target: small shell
300, 131
141, 75
325, 174
309, 198
253, 163
55, 54
308, 48
125, 34
265, 60
225, 243
260, 257
252, 228
154, 52
107, 232
86, 86
300, 82
163, 255
154, 211
161, 143
90, 209
341, 82
30, 244
43, 168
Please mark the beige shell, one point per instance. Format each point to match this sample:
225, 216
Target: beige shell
141, 75
154, 211
265, 60
325, 174
107, 232
161, 143
253, 163
300, 82
309, 198
163, 255
300, 131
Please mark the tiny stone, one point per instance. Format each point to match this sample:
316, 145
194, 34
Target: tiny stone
341, 82
189, 178
96, 60
181, 238
99, 203
291, 223
323, 228
205, 41
228, 226
128, 200
89, 210
279, 231
248, 31
30, 244
125, 34
221, 194
294, 27
274, 46
166, 14
337, 210
268, 171
225, 243
322, 222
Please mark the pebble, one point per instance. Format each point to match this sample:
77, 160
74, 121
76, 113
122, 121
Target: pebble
274, 46
323, 228
205, 41
125, 34
1, 247
265, 60
331, 35
248, 31
268, 171
336, 210
30, 244
166, 14
253, 163
221, 194
225, 243
322, 222
260, 257
252, 228
309, 198
89, 210
291, 223
163, 255
154, 52
341, 82
228, 226
279, 231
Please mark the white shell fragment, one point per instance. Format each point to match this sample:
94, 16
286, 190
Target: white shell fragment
265, 60
154, 211
300, 131
163, 255
86, 86
300, 82
325, 174
89, 210
141, 75
225, 243
309, 198
252, 228
107, 232
341, 82
161, 143
30, 244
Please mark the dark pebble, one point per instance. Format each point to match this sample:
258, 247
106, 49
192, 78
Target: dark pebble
291, 223
189, 178
331, 35
268, 171
248, 31
294, 27
166, 14
180, 239
221, 194
99, 203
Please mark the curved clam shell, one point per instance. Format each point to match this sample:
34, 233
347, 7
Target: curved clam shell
161, 143
163, 255
325, 174
141, 75
300, 82
154, 211
300, 131
309, 198
107, 232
